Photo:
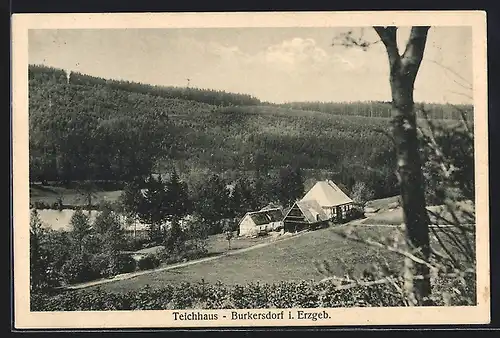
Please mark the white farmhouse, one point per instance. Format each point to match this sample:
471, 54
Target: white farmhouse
262, 221
333, 201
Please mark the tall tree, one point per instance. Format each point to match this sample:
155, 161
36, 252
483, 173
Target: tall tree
154, 210
178, 206
110, 238
212, 204
131, 198
177, 198
403, 72
242, 198
291, 185
81, 233
38, 265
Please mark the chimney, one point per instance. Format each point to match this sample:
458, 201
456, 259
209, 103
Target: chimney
331, 184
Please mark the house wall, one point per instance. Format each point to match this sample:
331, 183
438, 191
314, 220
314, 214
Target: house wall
295, 220
330, 212
272, 226
342, 210
248, 227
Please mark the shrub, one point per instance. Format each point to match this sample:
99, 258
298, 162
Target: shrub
40, 205
354, 213
100, 263
303, 294
148, 262
191, 249
78, 269
125, 263
131, 244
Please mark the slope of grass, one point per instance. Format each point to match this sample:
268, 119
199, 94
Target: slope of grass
293, 259
438, 215
382, 203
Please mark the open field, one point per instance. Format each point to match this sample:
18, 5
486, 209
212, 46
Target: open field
292, 259
438, 215
382, 203
217, 244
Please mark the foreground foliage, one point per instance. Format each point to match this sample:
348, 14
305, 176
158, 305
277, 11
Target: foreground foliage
253, 295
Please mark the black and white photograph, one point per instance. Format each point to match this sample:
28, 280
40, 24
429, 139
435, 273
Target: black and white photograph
262, 169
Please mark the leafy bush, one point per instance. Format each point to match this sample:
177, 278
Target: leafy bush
100, 263
292, 294
78, 269
216, 296
148, 262
40, 205
354, 213
455, 291
105, 265
132, 244
125, 263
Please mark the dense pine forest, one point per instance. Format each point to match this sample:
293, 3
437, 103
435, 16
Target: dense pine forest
88, 128
383, 109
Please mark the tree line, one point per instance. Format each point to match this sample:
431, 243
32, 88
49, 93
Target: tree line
213, 202
383, 109
213, 97
92, 250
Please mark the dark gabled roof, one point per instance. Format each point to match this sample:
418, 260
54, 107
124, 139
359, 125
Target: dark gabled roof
275, 215
311, 210
266, 216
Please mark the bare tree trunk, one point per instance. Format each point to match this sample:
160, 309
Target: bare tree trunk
403, 72
412, 193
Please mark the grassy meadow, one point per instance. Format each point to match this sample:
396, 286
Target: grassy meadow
286, 260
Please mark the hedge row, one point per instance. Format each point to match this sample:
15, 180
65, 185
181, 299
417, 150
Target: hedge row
220, 296
79, 270
41, 205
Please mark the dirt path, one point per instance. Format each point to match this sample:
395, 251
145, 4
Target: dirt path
181, 265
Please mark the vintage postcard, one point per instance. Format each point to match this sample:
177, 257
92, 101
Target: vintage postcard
250, 169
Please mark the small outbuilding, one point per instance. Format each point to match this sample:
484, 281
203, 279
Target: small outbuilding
304, 214
262, 221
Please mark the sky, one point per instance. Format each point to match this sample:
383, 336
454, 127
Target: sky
273, 64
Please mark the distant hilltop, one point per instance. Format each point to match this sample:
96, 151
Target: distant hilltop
221, 98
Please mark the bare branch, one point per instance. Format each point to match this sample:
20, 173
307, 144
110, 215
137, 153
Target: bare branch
469, 85
461, 94
350, 283
347, 40
434, 146
353, 283
443, 246
464, 227
463, 117
465, 243
389, 248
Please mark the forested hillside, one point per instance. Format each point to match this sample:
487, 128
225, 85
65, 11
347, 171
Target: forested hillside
383, 109
86, 128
